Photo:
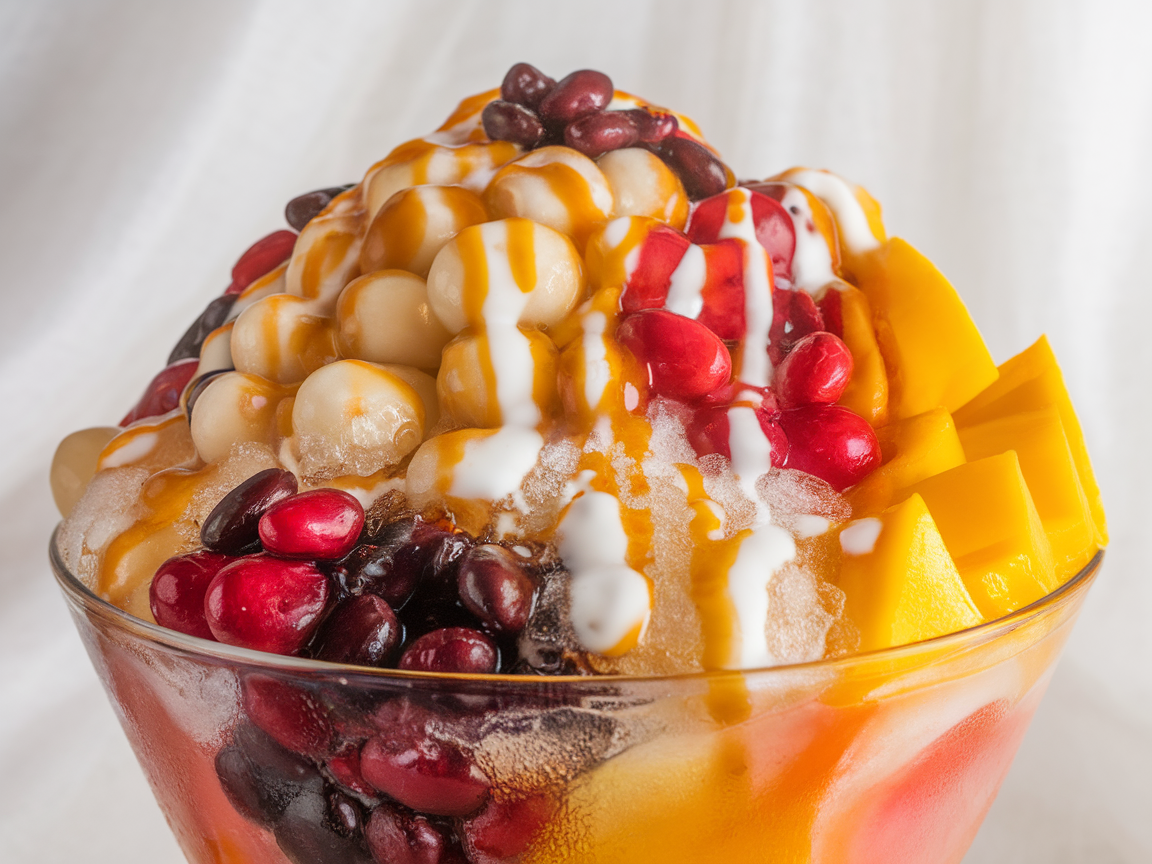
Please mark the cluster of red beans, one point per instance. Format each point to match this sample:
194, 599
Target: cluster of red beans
535, 111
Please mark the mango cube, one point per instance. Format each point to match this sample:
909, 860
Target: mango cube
1050, 471
1030, 381
990, 526
934, 353
867, 392
899, 580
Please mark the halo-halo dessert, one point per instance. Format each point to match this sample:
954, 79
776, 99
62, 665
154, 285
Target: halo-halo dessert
550, 393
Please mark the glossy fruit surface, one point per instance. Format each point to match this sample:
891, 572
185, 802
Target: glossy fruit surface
233, 525
322, 524
176, 595
815, 372
830, 442
680, 358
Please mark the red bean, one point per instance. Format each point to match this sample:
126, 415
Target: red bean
304, 208
193, 339
504, 829
596, 134
262, 257
293, 717
682, 358
830, 442
701, 172
652, 127
323, 525
176, 595
507, 121
233, 525
577, 95
163, 392
433, 777
345, 770
363, 631
525, 85
815, 372
266, 604
495, 588
453, 650
403, 838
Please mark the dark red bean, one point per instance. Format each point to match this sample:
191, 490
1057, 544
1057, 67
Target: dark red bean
701, 172
266, 604
363, 631
176, 595
308, 834
403, 838
577, 95
525, 85
193, 339
345, 816
680, 357
507, 121
294, 718
452, 649
794, 316
370, 568
262, 257
815, 372
494, 587
260, 777
163, 391
653, 127
304, 208
233, 525
598, 133
430, 776
345, 770
323, 525
504, 829
830, 442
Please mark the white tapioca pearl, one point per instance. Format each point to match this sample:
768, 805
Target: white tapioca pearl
422, 162
326, 257
216, 352
415, 223
74, 464
555, 186
470, 387
265, 286
642, 185
425, 387
353, 417
281, 339
513, 271
235, 408
384, 317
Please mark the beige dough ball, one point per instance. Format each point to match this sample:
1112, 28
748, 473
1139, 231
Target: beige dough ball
468, 380
414, 224
384, 317
235, 408
642, 185
281, 338
74, 464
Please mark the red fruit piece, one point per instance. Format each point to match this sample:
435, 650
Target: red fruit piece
323, 524
794, 316
682, 358
233, 524
452, 650
345, 770
418, 771
176, 595
363, 631
723, 291
660, 254
394, 837
292, 717
832, 311
710, 431
815, 372
266, 604
504, 829
163, 392
495, 588
830, 442
773, 225
263, 256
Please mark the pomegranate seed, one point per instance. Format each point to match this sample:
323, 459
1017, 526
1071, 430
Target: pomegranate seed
345, 770
495, 588
652, 127
683, 359
193, 339
794, 316
832, 312
773, 226
266, 604
176, 595
596, 134
723, 291
304, 208
507, 121
452, 649
709, 432
774, 432
233, 525
701, 172
660, 254
504, 829
163, 391
323, 524
431, 776
402, 838
363, 631
293, 717
525, 85
815, 372
262, 257
830, 442
260, 777
577, 95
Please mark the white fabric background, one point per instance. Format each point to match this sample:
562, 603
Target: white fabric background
143, 145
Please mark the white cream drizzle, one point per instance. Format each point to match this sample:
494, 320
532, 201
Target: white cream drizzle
495, 465
860, 537
812, 260
763, 552
138, 446
685, 290
597, 372
851, 220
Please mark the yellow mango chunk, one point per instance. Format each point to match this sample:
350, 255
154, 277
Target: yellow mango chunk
902, 586
990, 526
911, 450
867, 392
934, 353
1050, 471
1030, 381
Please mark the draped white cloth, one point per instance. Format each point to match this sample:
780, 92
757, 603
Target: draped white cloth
143, 145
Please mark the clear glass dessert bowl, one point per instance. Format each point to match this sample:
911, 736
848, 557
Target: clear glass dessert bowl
885, 756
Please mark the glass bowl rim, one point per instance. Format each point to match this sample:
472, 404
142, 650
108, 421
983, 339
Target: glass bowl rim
77, 593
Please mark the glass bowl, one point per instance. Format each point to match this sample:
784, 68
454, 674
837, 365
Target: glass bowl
889, 756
